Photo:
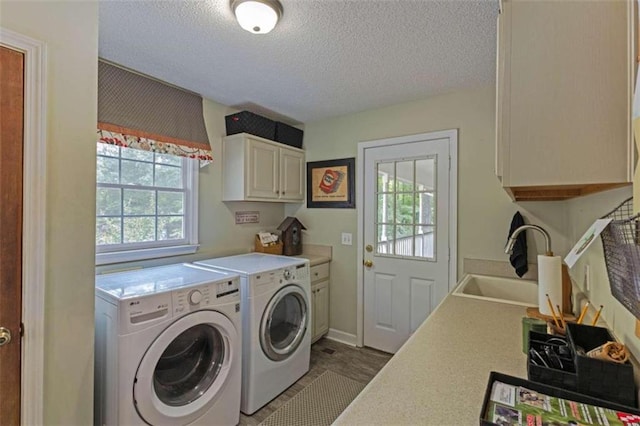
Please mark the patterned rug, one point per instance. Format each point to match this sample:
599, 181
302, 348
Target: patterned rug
318, 404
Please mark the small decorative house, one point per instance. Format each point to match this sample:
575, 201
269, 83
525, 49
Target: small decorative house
291, 229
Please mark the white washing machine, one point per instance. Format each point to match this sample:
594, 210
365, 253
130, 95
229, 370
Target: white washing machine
276, 310
168, 347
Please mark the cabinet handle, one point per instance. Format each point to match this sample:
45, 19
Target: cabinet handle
282, 192
277, 192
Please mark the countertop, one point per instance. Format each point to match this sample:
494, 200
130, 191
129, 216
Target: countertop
440, 374
317, 254
315, 259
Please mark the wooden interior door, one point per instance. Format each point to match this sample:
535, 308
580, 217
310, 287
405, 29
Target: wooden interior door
11, 156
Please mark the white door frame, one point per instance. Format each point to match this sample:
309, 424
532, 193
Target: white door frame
452, 136
34, 220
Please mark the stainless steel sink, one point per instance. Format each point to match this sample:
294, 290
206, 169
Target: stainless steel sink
498, 289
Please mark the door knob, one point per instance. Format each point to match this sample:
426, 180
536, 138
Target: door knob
368, 263
5, 336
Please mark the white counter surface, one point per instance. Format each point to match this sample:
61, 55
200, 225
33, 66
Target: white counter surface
439, 376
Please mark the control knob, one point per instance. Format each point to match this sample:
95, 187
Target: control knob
195, 297
287, 274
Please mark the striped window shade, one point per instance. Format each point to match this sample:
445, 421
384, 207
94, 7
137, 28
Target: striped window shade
136, 111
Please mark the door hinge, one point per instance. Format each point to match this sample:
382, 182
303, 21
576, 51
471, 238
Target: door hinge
449, 162
21, 329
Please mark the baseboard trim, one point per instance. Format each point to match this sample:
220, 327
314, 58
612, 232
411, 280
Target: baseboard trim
342, 337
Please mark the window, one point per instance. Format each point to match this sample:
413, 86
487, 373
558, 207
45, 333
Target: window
146, 204
406, 206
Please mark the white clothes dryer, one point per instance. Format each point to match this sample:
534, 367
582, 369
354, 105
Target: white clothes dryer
168, 347
276, 310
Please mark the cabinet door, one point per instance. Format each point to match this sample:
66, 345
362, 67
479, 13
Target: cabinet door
262, 170
291, 175
321, 309
564, 83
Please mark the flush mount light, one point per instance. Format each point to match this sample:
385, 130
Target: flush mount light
257, 16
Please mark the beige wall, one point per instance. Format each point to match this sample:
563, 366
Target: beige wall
484, 209
70, 30
583, 211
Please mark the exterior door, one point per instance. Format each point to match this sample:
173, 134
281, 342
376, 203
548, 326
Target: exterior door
406, 237
284, 323
11, 153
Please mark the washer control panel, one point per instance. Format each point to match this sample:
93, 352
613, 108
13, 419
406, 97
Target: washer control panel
192, 298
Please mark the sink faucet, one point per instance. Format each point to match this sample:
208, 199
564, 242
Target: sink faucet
512, 239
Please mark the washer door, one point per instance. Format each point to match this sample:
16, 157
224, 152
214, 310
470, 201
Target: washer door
185, 369
284, 323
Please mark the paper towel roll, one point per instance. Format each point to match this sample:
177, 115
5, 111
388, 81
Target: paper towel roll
549, 282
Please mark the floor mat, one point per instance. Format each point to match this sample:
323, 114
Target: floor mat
319, 403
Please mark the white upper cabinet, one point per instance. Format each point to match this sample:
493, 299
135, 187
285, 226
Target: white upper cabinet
564, 87
257, 169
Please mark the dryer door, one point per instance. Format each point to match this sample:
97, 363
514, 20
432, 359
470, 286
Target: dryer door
185, 369
284, 322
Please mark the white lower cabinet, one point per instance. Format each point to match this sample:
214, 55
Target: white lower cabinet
319, 300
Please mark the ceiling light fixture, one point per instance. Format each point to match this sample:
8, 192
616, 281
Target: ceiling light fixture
257, 16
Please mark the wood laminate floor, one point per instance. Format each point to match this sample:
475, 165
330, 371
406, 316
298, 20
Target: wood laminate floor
359, 364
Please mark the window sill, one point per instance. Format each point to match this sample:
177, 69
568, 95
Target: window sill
153, 253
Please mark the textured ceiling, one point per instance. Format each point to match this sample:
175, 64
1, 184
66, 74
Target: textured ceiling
324, 58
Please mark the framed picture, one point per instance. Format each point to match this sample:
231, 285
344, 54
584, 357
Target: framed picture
331, 184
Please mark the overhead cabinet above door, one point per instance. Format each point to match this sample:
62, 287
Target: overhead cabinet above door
564, 87
257, 169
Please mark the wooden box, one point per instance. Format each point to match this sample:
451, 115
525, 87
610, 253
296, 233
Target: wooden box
272, 249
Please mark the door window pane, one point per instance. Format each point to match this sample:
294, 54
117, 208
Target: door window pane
404, 176
425, 241
385, 177
426, 174
405, 208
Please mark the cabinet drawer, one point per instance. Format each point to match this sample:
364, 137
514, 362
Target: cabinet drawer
320, 272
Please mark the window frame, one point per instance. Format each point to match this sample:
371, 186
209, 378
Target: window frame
129, 252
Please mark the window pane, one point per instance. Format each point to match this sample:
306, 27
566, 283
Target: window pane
170, 203
426, 174
404, 175
170, 228
384, 239
107, 170
404, 208
404, 240
108, 230
137, 154
108, 202
168, 159
385, 177
139, 229
426, 208
110, 150
139, 202
425, 241
385, 208
137, 173
168, 176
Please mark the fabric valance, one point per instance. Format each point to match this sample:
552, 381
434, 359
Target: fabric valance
140, 112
